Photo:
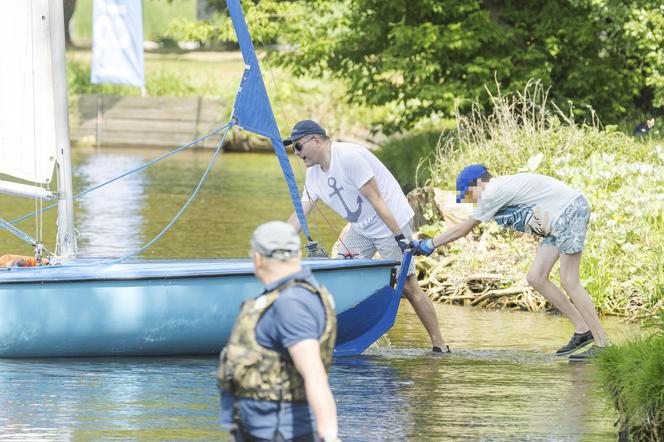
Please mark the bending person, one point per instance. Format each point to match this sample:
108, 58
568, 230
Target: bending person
542, 206
356, 185
273, 372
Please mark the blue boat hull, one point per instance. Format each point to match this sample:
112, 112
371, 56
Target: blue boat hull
169, 307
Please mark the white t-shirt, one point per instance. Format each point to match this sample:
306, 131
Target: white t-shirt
527, 202
351, 167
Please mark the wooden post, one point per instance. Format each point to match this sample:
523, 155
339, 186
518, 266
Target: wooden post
199, 105
100, 119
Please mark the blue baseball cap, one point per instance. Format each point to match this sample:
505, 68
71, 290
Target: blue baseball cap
466, 178
302, 128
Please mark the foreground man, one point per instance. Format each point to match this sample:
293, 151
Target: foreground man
542, 206
273, 372
356, 185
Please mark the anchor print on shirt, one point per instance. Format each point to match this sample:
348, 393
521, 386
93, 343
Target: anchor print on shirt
350, 216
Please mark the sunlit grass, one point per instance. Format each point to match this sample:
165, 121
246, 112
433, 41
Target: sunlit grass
157, 14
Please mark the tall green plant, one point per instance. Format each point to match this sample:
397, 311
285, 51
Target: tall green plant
633, 375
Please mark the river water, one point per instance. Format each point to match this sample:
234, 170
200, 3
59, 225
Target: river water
500, 383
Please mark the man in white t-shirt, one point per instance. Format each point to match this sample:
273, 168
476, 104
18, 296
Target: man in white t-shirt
545, 207
356, 185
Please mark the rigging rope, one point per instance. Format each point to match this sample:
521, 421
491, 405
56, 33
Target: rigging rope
144, 166
17, 232
177, 215
312, 244
186, 204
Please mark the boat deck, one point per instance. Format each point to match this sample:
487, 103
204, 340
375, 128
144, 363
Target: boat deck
87, 270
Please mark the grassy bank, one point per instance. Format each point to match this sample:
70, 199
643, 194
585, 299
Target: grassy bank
622, 177
633, 376
218, 74
157, 14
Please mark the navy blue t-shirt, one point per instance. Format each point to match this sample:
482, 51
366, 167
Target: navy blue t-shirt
295, 316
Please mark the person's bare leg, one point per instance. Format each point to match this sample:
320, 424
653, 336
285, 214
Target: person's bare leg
424, 309
569, 279
538, 278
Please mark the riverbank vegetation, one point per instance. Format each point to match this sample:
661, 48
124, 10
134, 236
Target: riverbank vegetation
622, 177
633, 375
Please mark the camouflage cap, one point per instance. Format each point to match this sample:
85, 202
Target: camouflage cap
276, 239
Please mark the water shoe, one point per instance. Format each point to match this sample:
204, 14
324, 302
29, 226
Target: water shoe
439, 351
577, 341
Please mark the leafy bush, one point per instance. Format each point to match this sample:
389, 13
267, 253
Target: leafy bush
623, 178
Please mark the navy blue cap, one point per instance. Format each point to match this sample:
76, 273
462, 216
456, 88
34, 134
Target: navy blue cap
302, 128
467, 178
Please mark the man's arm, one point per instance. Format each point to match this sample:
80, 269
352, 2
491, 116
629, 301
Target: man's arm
372, 194
427, 246
455, 232
307, 206
307, 360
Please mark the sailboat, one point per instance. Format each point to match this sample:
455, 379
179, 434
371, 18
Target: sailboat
80, 308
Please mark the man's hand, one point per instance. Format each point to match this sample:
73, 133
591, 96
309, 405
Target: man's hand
424, 247
403, 243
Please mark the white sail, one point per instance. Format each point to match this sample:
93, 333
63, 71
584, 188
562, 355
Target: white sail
27, 104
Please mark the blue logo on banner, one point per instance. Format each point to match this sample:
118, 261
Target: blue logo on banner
117, 42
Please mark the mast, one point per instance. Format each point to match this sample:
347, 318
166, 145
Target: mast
66, 245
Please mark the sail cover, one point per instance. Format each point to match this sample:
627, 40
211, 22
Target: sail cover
252, 110
27, 123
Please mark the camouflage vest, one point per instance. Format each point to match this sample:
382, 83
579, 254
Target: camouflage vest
250, 370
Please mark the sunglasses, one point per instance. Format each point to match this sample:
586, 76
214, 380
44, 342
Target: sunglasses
297, 147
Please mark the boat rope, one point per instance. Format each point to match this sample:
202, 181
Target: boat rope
18, 232
314, 249
186, 204
144, 166
177, 215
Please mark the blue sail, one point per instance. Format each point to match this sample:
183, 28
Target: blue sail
252, 110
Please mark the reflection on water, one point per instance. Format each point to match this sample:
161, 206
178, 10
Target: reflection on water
490, 388
243, 190
500, 383
109, 220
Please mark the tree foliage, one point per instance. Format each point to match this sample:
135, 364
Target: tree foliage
424, 57
431, 57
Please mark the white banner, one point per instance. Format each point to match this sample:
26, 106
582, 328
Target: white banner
117, 42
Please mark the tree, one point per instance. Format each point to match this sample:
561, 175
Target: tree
424, 57
69, 8
420, 58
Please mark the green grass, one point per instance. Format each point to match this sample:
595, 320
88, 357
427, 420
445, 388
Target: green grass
157, 15
166, 74
633, 375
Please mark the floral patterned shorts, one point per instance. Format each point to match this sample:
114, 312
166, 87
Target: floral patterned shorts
569, 231
362, 247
